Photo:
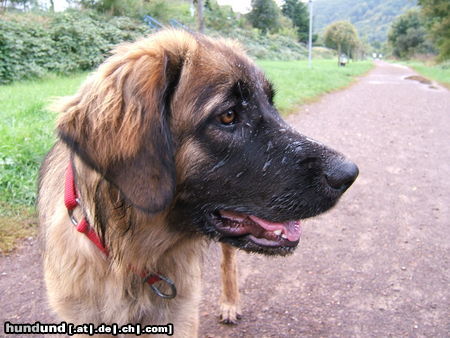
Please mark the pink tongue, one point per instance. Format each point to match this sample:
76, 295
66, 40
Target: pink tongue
291, 229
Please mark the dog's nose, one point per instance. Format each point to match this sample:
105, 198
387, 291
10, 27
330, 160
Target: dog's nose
341, 175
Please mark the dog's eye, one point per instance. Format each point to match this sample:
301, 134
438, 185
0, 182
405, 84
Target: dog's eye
228, 118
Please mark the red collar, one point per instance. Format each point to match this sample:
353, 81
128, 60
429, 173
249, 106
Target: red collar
72, 201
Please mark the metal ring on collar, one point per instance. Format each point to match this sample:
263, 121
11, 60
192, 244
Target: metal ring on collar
72, 218
70, 211
168, 281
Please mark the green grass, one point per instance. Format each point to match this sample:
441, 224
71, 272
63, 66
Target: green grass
296, 84
439, 72
27, 129
26, 134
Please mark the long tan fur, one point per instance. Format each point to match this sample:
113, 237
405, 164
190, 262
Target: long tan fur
103, 127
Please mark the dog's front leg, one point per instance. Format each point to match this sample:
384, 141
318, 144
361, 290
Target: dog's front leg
230, 310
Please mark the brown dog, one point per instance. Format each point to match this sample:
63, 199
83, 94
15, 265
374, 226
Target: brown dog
172, 140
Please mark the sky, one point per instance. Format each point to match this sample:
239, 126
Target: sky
60, 5
242, 6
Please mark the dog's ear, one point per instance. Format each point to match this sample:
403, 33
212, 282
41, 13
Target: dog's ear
119, 124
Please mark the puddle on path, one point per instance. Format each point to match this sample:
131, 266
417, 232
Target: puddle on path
423, 80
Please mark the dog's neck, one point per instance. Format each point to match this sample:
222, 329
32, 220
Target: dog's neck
133, 238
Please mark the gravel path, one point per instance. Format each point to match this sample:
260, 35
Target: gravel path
376, 265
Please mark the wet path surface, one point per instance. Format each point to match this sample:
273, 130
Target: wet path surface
379, 263
376, 265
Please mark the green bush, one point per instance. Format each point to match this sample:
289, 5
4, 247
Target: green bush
266, 47
445, 65
62, 43
25, 51
164, 10
33, 45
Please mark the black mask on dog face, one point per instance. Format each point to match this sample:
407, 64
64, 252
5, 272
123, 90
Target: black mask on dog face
259, 177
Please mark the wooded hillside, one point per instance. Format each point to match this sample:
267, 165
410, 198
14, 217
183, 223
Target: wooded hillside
372, 18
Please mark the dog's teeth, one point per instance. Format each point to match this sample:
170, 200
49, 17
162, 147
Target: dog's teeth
277, 232
284, 236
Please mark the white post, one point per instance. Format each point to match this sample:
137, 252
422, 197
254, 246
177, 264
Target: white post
310, 33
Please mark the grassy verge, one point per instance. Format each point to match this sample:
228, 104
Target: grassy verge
296, 84
26, 132
16, 222
439, 72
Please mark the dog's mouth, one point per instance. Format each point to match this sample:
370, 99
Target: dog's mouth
261, 232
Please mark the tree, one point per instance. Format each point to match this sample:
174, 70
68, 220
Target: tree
265, 15
221, 18
298, 13
342, 36
407, 35
438, 14
19, 4
200, 18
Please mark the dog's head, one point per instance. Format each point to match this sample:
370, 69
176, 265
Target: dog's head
186, 123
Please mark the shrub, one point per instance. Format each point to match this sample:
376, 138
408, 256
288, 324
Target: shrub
32, 45
164, 11
25, 51
64, 42
267, 47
